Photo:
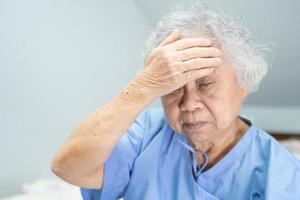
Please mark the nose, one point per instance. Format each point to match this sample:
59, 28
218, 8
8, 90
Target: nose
191, 99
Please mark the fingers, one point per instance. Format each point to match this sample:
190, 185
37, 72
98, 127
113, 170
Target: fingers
191, 42
175, 35
198, 52
198, 63
195, 74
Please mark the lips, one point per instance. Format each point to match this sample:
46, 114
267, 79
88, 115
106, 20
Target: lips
193, 126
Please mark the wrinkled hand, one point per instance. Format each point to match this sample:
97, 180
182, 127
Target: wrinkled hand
177, 61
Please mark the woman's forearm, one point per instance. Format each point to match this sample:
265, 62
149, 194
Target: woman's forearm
93, 139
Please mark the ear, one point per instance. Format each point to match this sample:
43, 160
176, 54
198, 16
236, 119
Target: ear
243, 91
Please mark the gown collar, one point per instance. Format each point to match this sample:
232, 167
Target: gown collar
239, 148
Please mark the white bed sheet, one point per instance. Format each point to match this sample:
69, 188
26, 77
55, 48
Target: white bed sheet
48, 189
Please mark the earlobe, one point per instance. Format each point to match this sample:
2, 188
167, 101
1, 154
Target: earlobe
244, 91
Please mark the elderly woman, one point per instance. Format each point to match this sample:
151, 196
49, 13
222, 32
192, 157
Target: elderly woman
202, 65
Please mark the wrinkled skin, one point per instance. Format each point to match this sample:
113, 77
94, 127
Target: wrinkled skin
206, 110
175, 62
199, 102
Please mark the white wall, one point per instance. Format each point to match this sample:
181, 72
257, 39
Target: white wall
59, 60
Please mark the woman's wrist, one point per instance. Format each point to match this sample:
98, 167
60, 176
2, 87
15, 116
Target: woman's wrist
136, 94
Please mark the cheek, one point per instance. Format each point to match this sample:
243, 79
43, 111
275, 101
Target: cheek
218, 113
222, 117
172, 112
217, 108
226, 109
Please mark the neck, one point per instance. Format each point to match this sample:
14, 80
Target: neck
220, 146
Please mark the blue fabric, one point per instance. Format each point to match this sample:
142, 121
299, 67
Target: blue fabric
151, 161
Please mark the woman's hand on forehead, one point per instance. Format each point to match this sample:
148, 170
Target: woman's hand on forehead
175, 62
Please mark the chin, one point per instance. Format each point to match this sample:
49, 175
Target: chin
199, 137
199, 133
205, 132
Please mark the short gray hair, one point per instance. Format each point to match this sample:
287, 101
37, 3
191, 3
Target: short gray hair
246, 58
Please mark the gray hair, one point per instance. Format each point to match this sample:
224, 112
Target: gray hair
233, 39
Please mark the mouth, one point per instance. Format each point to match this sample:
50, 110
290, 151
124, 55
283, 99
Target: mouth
193, 126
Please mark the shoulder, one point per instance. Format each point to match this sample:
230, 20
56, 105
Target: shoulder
276, 153
280, 169
151, 119
155, 123
148, 124
154, 117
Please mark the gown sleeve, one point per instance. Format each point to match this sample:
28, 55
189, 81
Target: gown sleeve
118, 166
283, 175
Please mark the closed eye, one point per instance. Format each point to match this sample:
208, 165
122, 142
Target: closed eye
205, 85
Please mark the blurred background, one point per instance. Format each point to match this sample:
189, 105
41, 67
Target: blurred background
62, 59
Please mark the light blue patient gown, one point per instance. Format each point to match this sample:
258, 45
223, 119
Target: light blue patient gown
152, 162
